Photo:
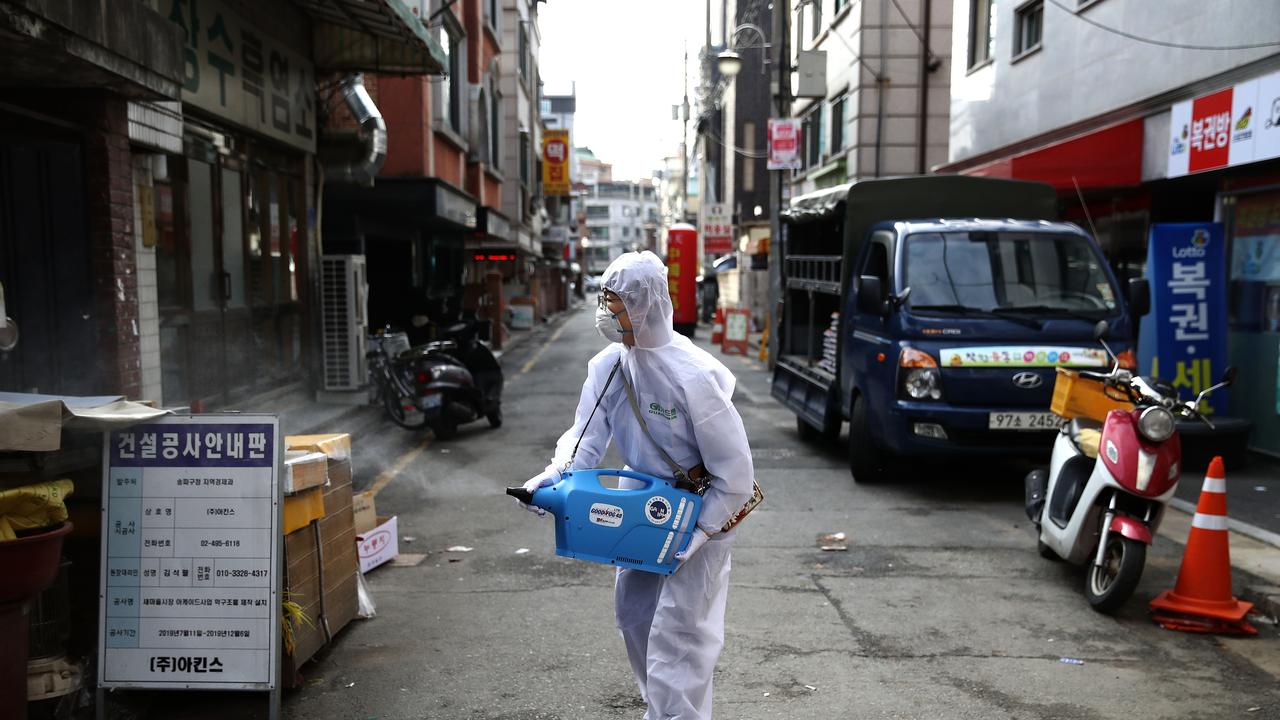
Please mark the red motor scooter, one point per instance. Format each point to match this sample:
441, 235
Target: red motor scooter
1108, 483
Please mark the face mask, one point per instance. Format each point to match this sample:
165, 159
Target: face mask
608, 326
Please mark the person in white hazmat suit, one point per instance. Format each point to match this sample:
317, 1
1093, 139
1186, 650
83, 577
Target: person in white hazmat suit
673, 626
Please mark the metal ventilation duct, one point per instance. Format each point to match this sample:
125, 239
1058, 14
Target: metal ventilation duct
373, 136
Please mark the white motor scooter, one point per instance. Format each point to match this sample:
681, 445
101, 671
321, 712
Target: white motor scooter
1108, 483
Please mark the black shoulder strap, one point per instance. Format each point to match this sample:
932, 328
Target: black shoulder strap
600, 399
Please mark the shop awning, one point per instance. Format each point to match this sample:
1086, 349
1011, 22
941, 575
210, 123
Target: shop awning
116, 45
1110, 157
410, 203
371, 36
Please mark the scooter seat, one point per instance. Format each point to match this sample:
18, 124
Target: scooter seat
1087, 435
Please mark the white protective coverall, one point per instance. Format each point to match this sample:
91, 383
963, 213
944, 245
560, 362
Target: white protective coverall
673, 626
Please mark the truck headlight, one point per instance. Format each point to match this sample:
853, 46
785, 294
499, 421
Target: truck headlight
1156, 424
922, 379
922, 384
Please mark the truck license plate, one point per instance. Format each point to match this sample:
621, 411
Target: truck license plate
1023, 421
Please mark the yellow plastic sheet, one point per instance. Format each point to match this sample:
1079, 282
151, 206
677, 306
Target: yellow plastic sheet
33, 506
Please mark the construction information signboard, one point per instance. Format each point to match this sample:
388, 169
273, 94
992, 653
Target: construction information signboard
190, 554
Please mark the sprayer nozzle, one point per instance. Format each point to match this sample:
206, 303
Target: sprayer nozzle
521, 494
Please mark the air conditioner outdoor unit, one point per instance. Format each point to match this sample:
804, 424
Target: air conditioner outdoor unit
345, 320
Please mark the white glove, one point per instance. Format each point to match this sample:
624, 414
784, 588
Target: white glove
700, 538
543, 479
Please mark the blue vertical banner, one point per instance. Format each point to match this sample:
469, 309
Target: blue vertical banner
1184, 339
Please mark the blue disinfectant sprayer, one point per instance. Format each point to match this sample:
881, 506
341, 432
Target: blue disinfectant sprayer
641, 528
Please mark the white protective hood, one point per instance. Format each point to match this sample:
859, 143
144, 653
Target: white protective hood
640, 280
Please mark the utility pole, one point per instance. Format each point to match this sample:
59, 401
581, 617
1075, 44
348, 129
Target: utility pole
684, 141
777, 186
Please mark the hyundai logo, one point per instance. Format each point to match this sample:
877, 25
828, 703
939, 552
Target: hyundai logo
1027, 380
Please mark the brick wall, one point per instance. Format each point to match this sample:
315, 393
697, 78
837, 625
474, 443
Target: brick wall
450, 161
111, 243
406, 109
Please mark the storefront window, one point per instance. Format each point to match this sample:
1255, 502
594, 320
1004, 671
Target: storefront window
168, 254
290, 263
1255, 263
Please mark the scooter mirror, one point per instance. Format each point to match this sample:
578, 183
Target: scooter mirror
1100, 330
1229, 377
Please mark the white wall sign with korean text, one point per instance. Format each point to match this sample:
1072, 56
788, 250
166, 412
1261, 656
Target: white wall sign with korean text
1234, 126
717, 229
190, 554
784, 144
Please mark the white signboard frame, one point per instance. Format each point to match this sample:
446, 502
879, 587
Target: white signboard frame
717, 228
189, 587
1252, 130
785, 143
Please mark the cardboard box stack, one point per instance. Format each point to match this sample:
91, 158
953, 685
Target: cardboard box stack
320, 557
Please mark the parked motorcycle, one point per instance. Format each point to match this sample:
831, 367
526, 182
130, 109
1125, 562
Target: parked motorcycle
1104, 494
441, 384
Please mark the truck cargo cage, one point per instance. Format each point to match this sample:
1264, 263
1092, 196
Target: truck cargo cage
820, 273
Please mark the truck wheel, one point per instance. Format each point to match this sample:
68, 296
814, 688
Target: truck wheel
807, 432
867, 461
829, 433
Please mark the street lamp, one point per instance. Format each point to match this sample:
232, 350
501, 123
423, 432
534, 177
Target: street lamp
730, 62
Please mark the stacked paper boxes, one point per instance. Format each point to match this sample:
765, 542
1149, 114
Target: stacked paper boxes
319, 554
830, 345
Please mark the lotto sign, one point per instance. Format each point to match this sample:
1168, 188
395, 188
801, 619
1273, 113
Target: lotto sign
1238, 125
190, 549
555, 162
717, 229
1184, 340
784, 144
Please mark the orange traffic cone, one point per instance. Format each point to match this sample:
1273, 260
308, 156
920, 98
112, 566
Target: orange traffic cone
1202, 599
717, 327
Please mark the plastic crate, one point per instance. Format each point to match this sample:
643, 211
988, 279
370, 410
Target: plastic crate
1074, 396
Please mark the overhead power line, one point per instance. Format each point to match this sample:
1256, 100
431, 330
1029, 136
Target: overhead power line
1161, 43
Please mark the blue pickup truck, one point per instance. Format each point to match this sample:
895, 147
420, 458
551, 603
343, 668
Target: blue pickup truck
931, 312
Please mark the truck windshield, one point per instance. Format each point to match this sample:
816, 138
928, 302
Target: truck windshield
1006, 273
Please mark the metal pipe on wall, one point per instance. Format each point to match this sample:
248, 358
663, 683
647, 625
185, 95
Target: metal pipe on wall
922, 125
881, 82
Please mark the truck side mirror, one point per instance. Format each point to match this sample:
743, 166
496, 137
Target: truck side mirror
1139, 297
1229, 377
870, 295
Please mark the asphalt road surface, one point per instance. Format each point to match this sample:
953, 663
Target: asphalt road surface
939, 608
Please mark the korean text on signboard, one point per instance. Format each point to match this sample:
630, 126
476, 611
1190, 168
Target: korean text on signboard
682, 271
1238, 125
235, 70
784, 144
717, 229
555, 163
189, 585
1185, 338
